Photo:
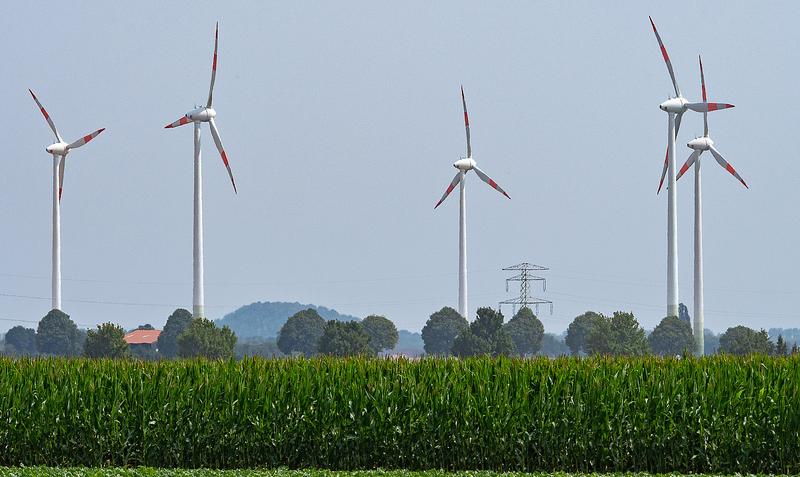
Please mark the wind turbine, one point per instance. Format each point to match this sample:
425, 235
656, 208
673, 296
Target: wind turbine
202, 114
465, 165
675, 107
59, 150
698, 146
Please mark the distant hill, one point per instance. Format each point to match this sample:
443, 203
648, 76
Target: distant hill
265, 319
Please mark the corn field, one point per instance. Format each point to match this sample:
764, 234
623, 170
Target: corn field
718, 414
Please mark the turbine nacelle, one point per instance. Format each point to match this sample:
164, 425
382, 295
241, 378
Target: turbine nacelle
674, 105
465, 164
201, 114
59, 148
701, 143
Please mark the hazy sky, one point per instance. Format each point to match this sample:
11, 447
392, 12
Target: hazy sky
342, 120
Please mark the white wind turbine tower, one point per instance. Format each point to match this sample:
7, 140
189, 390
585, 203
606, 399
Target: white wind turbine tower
202, 115
675, 107
465, 165
699, 145
59, 150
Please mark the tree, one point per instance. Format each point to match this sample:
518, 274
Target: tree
781, 349
526, 330
58, 335
21, 340
345, 338
683, 314
168, 339
741, 340
441, 330
579, 330
673, 336
147, 327
795, 350
503, 344
619, 335
301, 333
202, 338
485, 335
382, 332
107, 341
468, 343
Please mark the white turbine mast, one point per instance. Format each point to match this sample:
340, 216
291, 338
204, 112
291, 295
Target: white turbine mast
202, 115
698, 146
59, 150
675, 107
465, 165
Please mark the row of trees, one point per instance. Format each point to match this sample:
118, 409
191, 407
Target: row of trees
183, 336
307, 333
447, 332
621, 334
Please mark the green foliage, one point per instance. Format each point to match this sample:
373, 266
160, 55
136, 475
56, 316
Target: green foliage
168, 339
58, 335
526, 330
672, 337
249, 347
619, 335
265, 319
722, 414
741, 340
468, 343
202, 338
301, 333
107, 341
382, 332
579, 330
21, 340
441, 330
485, 335
345, 338
151, 472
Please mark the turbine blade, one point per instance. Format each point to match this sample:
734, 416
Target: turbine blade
708, 107
179, 122
689, 162
213, 66
664, 172
453, 184
466, 122
62, 164
489, 181
705, 98
80, 142
47, 117
678, 119
666, 58
725, 165
218, 142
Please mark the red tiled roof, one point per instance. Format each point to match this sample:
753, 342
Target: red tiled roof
142, 336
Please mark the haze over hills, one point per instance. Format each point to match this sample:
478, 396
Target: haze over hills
264, 319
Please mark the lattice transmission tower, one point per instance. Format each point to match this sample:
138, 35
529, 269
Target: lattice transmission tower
525, 277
